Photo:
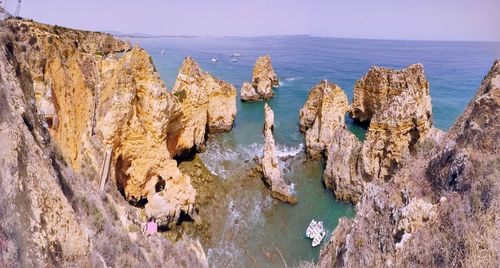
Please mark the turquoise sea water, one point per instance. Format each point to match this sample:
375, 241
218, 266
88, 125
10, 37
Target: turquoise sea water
248, 226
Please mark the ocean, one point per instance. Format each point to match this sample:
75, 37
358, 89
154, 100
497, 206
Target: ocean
249, 228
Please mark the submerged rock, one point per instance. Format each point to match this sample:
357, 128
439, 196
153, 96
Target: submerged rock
263, 80
323, 112
270, 166
208, 105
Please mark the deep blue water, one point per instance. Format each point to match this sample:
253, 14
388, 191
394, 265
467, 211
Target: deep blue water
454, 70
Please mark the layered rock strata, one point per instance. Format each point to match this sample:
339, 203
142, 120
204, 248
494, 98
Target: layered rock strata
446, 195
323, 112
67, 97
208, 105
270, 165
398, 110
263, 80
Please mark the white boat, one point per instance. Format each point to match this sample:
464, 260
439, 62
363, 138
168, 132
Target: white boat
316, 232
318, 238
236, 54
214, 59
162, 52
310, 228
234, 60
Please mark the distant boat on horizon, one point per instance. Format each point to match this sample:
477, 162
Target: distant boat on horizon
214, 59
162, 52
236, 55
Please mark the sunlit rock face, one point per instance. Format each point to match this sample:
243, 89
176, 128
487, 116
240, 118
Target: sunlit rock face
208, 105
263, 80
270, 165
439, 198
323, 112
397, 105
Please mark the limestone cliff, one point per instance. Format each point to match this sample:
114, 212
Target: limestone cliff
323, 112
400, 120
69, 96
208, 106
263, 80
441, 208
270, 165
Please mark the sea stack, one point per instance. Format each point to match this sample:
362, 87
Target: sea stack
323, 112
207, 103
263, 80
270, 166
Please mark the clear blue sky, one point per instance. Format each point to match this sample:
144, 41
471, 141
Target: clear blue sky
380, 19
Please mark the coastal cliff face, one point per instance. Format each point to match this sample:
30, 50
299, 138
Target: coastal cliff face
398, 110
270, 165
208, 105
263, 80
323, 112
71, 96
442, 204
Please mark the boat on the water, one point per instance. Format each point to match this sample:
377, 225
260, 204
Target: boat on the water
236, 54
234, 60
316, 231
214, 59
162, 52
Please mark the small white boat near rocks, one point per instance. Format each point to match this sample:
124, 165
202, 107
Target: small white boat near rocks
316, 231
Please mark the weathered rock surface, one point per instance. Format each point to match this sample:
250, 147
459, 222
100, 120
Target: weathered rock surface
270, 165
376, 89
398, 106
323, 112
340, 173
248, 92
263, 80
69, 96
440, 208
207, 104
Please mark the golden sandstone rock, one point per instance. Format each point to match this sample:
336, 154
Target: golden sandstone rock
323, 112
263, 80
270, 164
397, 106
204, 101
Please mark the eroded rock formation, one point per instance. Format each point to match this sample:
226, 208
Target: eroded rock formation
263, 80
67, 97
270, 165
323, 112
207, 103
438, 210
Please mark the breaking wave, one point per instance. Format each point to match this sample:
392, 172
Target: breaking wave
226, 160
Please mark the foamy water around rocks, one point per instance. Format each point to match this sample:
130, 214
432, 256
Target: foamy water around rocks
248, 226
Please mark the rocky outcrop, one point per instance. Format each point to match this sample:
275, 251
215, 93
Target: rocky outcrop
270, 165
208, 105
445, 194
398, 106
380, 85
341, 174
64, 94
263, 80
323, 112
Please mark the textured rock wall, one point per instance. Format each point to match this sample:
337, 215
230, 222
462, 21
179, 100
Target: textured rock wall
323, 112
440, 208
208, 105
67, 96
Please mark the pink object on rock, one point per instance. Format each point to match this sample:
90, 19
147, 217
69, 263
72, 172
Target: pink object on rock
151, 228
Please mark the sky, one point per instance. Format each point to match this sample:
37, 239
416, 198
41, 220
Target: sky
468, 20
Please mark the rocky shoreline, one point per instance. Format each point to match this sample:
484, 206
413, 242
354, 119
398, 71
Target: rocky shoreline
72, 101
